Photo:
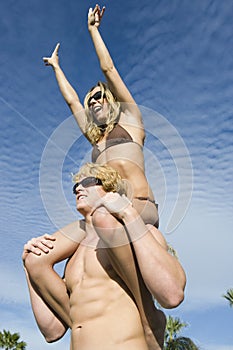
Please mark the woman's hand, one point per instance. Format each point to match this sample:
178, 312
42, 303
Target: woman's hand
95, 16
38, 245
54, 59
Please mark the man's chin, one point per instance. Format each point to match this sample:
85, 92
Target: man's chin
83, 208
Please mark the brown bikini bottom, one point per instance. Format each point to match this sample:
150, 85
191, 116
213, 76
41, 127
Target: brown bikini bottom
148, 210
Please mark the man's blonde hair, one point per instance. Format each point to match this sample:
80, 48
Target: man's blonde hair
111, 179
93, 131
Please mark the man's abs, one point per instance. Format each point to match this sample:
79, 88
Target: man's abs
104, 316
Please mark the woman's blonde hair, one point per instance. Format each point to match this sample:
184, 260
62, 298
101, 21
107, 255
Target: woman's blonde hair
93, 131
110, 178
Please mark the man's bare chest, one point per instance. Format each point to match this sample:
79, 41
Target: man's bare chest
88, 265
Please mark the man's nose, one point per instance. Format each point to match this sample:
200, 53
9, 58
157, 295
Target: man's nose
79, 189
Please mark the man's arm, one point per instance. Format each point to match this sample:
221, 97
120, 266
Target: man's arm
49, 324
67, 91
43, 278
162, 272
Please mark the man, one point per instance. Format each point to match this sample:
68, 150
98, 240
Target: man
106, 295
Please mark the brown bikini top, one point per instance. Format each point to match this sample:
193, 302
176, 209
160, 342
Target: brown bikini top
115, 137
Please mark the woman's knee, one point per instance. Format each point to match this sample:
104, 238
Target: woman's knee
109, 229
36, 265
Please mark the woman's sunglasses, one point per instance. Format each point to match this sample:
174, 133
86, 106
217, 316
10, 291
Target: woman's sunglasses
97, 96
87, 182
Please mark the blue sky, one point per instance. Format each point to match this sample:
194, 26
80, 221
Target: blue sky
176, 58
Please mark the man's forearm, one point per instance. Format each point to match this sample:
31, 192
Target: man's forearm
50, 326
49, 285
161, 272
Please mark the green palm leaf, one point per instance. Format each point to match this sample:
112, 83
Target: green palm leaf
10, 341
172, 342
229, 296
181, 343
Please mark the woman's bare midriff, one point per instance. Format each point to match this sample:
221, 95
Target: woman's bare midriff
128, 160
103, 314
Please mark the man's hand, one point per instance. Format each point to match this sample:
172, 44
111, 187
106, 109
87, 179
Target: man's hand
115, 203
54, 59
95, 16
38, 245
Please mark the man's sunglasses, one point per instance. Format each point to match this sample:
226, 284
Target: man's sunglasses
97, 96
87, 182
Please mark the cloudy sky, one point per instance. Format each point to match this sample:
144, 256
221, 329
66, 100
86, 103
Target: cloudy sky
176, 58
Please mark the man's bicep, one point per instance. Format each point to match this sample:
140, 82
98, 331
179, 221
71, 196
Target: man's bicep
66, 243
63, 248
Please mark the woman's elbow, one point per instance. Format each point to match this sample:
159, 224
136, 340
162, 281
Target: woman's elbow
107, 67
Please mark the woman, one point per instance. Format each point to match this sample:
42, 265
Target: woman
111, 121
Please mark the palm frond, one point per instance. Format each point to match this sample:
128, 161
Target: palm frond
181, 343
229, 296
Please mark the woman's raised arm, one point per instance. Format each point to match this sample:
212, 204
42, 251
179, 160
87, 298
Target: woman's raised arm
114, 80
67, 91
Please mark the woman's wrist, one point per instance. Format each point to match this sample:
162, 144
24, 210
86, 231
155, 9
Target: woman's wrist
92, 29
56, 66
